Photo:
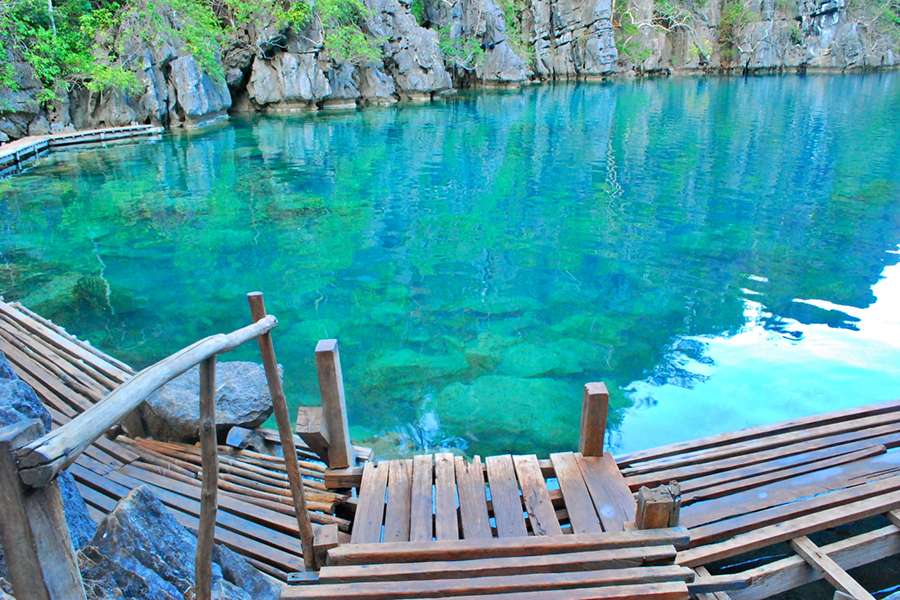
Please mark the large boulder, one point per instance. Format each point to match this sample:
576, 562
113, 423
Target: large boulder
242, 399
140, 552
18, 403
19, 106
411, 53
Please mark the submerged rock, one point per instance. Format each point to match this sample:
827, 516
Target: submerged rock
242, 399
140, 552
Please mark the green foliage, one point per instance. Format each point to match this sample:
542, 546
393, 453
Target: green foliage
668, 14
796, 35
417, 8
627, 35
342, 21
515, 35
787, 7
463, 52
735, 15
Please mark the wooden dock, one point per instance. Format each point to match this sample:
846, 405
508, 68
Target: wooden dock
737, 515
16, 153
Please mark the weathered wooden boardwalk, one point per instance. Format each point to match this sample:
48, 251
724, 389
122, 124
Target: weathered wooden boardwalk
749, 505
17, 152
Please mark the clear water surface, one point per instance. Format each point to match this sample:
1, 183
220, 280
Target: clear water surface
721, 252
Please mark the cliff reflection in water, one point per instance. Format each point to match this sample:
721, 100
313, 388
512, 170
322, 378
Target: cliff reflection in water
481, 259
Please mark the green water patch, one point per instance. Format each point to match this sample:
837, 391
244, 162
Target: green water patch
720, 252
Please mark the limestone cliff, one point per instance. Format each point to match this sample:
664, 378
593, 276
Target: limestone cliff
430, 47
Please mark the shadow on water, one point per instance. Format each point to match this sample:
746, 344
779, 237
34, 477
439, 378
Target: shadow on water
720, 251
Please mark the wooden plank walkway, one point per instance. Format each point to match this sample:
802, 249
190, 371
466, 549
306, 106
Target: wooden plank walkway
18, 151
513, 526
255, 516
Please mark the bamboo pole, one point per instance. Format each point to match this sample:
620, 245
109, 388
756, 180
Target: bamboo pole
285, 433
206, 533
41, 460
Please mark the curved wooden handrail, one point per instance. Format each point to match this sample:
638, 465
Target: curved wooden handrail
42, 460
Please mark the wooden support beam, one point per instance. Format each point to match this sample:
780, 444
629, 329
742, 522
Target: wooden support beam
33, 529
312, 430
594, 411
831, 571
334, 406
286, 435
326, 538
338, 479
658, 507
206, 533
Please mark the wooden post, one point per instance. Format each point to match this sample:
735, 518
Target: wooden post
326, 539
594, 409
286, 435
206, 533
659, 507
33, 529
311, 429
334, 406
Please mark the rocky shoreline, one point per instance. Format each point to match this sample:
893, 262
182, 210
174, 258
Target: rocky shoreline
272, 70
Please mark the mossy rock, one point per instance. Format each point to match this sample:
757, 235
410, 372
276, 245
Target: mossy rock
556, 358
406, 366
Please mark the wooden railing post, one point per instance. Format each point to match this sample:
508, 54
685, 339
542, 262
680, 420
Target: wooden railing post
285, 433
206, 533
334, 406
33, 529
659, 507
594, 410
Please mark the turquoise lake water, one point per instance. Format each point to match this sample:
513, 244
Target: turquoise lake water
721, 252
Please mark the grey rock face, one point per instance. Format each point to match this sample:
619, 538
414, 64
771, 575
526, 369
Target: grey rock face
481, 20
19, 108
374, 85
195, 96
411, 53
573, 38
140, 552
18, 403
287, 80
242, 399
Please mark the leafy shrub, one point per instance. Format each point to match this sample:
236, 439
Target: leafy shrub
463, 52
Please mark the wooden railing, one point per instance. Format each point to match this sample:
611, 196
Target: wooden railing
36, 541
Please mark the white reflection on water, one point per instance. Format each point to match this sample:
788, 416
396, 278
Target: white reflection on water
762, 375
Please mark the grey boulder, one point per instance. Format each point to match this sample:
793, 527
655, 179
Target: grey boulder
242, 399
140, 552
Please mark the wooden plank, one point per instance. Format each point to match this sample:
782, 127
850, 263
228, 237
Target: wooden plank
473, 511
312, 430
727, 469
490, 585
336, 479
786, 530
777, 503
594, 409
766, 443
35, 539
757, 432
499, 547
370, 512
652, 591
206, 531
792, 572
535, 496
513, 565
731, 487
331, 389
505, 499
420, 528
581, 510
446, 514
831, 571
611, 497
399, 491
